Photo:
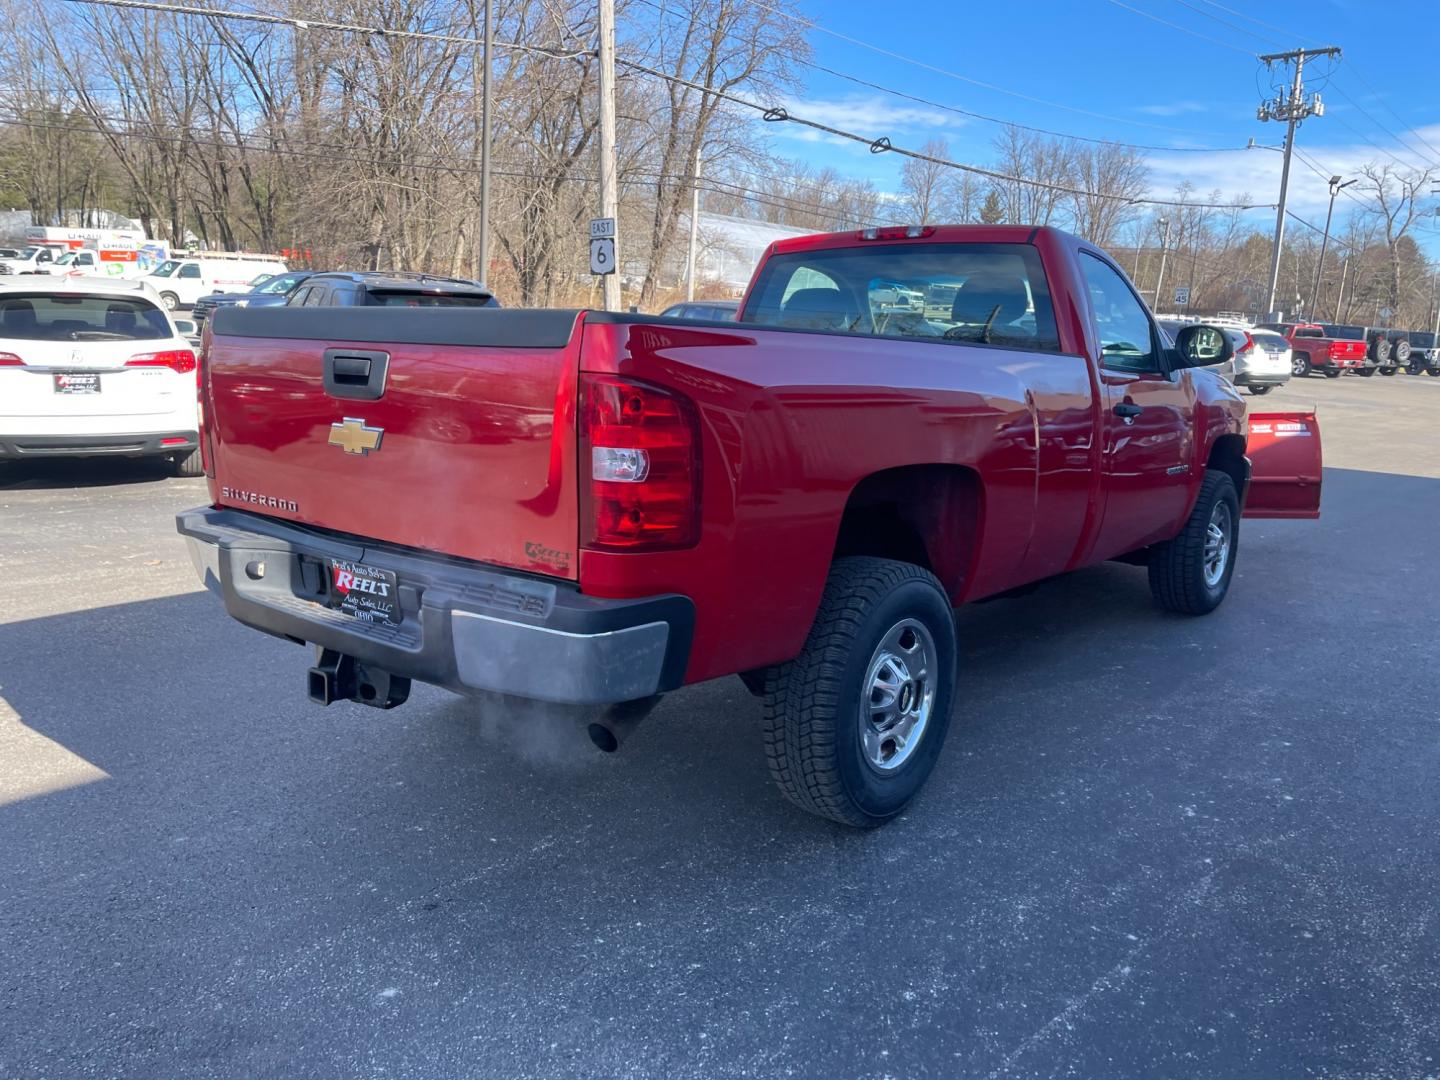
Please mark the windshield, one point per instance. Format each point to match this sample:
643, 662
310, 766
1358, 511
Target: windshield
46, 317
1343, 333
165, 269
276, 284
992, 294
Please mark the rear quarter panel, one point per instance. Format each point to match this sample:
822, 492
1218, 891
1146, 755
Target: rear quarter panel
791, 422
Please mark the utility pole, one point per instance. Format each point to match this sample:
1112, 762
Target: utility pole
1293, 110
609, 201
1164, 248
694, 229
1335, 188
1435, 299
484, 245
1340, 296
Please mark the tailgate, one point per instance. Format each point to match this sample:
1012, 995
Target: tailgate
451, 430
1285, 462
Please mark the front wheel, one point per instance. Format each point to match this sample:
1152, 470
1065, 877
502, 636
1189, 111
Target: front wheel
1191, 573
1299, 365
853, 725
1414, 369
1365, 372
1387, 371
1261, 391
1432, 371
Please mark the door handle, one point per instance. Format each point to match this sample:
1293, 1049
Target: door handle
1128, 410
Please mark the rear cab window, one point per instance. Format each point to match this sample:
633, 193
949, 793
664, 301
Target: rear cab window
47, 317
974, 294
402, 298
1343, 333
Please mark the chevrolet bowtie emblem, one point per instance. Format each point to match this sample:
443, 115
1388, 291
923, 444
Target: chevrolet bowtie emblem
354, 437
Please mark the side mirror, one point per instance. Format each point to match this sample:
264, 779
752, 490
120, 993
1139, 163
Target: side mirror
186, 328
1203, 346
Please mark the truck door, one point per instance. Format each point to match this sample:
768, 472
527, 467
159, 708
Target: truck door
1147, 427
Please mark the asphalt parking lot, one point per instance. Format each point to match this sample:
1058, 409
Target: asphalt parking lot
1154, 846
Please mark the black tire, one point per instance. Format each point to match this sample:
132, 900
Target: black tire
1432, 371
170, 300
1388, 370
813, 725
1414, 369
1300, 365
1260, 391
1332, 373
1365, 372
1179, 577
189, 465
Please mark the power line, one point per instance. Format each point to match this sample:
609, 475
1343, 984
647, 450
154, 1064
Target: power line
970, 113
1226, 22
965, 78
1182, 29
770, 113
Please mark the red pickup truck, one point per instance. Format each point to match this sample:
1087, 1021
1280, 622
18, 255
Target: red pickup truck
594, 509
1322, 348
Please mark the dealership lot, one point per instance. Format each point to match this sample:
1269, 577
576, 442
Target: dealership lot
1153, 845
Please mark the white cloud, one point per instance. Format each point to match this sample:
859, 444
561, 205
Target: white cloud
1178, 108
877, 115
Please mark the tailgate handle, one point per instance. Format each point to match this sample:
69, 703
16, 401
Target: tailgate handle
356, 373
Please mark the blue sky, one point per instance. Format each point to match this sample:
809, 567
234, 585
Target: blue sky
1154, 84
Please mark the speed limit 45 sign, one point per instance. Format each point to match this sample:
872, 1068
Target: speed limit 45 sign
602, 255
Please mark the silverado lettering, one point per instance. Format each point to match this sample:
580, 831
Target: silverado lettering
595, 508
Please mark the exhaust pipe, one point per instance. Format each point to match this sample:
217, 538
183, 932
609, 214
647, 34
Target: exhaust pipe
337, 677
613, 726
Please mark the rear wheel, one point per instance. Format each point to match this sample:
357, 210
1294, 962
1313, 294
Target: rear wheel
1332, 373
1365, 372
1432, 371
853, 725
1191, 573
1388, 370
170, 300
188, 465
1260, 391
1299, 365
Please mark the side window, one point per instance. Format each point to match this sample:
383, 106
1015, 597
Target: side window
298, 300
318, 296
343, 298
1121, 322
189, 270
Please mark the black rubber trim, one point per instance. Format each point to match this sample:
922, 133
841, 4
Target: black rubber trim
443, 583
82, 445
501, 328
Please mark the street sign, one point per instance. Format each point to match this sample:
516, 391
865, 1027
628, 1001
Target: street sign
602, 255
1182, 295
602, 226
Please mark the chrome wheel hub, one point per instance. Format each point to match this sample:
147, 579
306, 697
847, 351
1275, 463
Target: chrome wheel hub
1217, 544
898, 695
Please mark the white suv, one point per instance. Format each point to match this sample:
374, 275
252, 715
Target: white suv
94, 366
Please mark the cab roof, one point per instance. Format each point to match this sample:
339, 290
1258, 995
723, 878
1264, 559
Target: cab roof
921, 234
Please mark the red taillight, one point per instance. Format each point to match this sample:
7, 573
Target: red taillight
9, 359
640, 466
1249, 344
181, 360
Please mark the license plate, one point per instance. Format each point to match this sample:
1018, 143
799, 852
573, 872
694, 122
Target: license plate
71, 382
366, 592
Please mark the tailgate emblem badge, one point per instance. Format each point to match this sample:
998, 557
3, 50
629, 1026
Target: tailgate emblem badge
354, 437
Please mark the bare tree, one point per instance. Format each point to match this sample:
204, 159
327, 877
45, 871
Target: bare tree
1397, 195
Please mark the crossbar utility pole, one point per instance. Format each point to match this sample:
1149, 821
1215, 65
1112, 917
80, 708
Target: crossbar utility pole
1293, 110
609, 201
694, 229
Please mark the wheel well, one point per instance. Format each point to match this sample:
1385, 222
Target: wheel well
928, 515
1228, 455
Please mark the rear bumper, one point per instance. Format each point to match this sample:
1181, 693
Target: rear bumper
144, 445
1257, 378
466, 626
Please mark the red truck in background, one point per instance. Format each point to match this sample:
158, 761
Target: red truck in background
1323, 348
594, 509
